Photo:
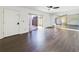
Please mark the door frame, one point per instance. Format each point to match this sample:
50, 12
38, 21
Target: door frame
30, 20
60, 16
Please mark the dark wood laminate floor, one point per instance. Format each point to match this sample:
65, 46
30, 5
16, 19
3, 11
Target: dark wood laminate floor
42, 40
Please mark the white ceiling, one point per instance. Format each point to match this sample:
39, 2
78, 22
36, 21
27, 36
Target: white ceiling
61, 9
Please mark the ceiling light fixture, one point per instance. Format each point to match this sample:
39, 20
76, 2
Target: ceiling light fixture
52, 7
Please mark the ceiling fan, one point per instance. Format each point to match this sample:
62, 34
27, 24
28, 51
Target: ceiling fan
52, 7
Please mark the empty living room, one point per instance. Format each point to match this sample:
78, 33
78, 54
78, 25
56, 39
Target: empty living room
39, 28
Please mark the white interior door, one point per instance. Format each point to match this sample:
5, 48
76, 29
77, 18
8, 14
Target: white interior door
1, 23
11, 22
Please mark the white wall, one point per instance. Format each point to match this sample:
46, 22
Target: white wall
26, 11
1, 23
24, 18
73, 19
53, 19
11, 18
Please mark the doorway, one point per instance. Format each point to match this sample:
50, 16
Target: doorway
61, 20
35, 22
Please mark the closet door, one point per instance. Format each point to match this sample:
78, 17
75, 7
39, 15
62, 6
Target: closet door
1, 23
11, 22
